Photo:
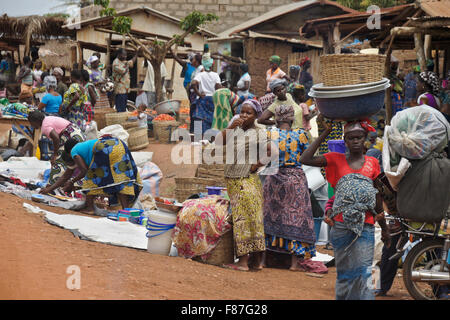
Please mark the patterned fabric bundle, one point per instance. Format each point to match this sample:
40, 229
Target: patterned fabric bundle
200, 224
225, 101
354, 196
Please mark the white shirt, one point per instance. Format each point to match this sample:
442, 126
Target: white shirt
142, 118
207, 82
141, 99
149, 82
241, 84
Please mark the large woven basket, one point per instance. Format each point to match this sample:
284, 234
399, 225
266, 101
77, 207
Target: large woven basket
223, 253
138, 138
130, 124
211, 171
347, 69
116, 118
185, 187
163, 130
100, 117
183, 118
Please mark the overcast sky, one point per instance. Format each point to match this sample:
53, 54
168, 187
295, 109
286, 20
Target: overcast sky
28, 7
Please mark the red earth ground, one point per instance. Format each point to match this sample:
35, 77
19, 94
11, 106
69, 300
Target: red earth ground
35, 257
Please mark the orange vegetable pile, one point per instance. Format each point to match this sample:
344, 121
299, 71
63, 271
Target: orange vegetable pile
184, 126
184, 110
164, 117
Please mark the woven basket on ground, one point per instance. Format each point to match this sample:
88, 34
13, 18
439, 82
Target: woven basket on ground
100, 116
163, 130
116, 118
130, 124
211, 171
348, 69
138, 138
183, 117
185, 187
223, 253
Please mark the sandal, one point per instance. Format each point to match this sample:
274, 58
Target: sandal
234, 267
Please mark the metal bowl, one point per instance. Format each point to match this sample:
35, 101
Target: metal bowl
322, 87
350, 104
168, 106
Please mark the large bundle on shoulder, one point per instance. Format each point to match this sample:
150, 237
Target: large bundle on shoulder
416, 165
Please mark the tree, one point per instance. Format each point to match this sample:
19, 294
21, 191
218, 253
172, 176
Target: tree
157, 50
78, 3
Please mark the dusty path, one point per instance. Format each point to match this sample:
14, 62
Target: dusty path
35, 257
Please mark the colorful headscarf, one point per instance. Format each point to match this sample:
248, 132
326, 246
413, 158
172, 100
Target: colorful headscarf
255, 105
361, 125
284, 113
431, 79
303, 61
294, 67
207, 61
91, 59
58, 70
50, 81
275, 59
276, 83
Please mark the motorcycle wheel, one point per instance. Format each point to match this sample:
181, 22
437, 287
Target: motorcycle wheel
425, 255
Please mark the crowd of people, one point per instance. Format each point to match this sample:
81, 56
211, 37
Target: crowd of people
274, 213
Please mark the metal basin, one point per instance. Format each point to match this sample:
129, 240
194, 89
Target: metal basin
168, 106
350, 104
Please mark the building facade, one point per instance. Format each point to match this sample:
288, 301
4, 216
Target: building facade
230, 12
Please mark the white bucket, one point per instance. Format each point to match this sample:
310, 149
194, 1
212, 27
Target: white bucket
160, 226
314, 177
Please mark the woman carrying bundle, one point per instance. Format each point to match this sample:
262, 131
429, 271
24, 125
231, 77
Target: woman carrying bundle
288, 220
354, 212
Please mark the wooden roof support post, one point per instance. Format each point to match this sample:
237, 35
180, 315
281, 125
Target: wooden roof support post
436, 62
418, 47
80, 56
427, 47
108, 55
337, 38
387, 71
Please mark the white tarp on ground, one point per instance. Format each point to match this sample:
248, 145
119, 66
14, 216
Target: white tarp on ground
30, 169
104, 230
26, 168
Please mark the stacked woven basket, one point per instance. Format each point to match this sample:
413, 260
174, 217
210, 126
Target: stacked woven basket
353, 86
138, 138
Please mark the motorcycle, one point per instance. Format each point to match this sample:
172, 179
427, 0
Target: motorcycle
426, 268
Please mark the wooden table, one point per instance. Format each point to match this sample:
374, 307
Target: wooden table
17, 122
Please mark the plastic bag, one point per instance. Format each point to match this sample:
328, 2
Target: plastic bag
424, 193
416, 132
393, 173
117, 131
91, 131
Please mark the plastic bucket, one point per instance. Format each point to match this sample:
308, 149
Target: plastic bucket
336, 146
314, 177
214, 190
160, 225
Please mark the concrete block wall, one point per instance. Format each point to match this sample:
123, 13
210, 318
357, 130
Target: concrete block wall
230, 12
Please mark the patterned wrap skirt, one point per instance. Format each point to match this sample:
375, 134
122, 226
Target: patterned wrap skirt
112, 171
77, 116
58, 168
288, 219
246, 202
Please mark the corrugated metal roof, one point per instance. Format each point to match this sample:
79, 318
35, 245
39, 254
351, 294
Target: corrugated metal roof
279, 11
132, 10
436, 8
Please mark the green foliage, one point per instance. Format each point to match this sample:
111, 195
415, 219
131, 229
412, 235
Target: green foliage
122, 24
195, 19
58, 15
103, 3
108, 12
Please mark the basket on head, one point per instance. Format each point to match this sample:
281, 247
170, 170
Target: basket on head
348, 69
138, 138
163, 130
